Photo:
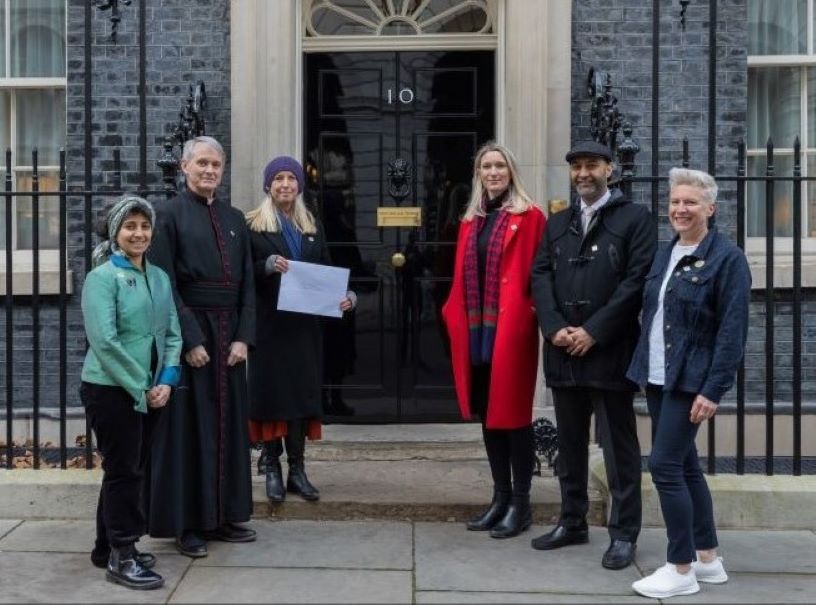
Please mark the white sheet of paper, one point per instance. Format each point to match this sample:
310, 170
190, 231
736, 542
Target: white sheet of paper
312, 288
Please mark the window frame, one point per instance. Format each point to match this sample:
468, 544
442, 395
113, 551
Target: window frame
783, 245
23, 258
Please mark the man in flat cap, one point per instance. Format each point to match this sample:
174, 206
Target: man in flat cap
587, 284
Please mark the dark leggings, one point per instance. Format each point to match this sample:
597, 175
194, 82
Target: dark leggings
684, 496
295, 441
510, 452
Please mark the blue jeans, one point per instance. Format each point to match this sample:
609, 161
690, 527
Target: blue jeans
684, 496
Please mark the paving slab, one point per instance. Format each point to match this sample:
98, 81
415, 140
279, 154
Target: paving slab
61, 578
319, 544
521, 597
67, 536
263, 585
782, 551
448, 557
7, 525
756, 588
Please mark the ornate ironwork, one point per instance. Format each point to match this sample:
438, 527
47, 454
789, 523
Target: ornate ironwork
399, 179
191, 124
683, 6
116, 13
605, 118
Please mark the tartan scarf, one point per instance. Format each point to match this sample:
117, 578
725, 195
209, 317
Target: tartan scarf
482, 317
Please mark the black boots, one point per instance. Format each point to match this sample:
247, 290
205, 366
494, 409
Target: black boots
125, 569
495, 512
518, 518
274, 480
298, 483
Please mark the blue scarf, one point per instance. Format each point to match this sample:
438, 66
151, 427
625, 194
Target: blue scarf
292, 237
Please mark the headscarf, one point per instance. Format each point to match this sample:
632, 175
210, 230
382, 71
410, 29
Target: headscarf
117, 215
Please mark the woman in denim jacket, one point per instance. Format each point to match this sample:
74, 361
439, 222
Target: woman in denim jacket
131, 365
695, 321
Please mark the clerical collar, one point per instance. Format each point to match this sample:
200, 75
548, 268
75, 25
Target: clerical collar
597, 205
199, 198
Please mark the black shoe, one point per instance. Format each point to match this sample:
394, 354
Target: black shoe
620, 554
231, 532
275, 490
489, 518
298, 483
192, 545
124, 569
561, 536
100, 558
518, 518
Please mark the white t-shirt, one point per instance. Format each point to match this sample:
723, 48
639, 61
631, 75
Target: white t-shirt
657, 357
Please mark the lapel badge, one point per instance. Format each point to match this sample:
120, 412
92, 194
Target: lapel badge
232, 233
513, 227
311, 239
594, 247
699, 263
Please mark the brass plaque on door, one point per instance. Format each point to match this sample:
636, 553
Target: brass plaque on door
399, 216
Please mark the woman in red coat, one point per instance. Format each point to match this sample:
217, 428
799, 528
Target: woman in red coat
494, 334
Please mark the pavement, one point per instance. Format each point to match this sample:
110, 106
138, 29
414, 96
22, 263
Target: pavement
389, 529
47, 561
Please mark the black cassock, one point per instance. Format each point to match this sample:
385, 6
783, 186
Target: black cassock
199, 474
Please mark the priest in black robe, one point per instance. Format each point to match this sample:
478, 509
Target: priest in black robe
199, 486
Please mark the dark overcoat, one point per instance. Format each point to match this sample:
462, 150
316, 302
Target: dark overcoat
286, 367
594, 281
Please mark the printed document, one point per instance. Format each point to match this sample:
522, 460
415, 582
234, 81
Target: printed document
312, 288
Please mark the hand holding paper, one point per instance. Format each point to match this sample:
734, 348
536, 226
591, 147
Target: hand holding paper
312, 288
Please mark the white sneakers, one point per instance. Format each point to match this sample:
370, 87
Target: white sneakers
712, 572
667, 582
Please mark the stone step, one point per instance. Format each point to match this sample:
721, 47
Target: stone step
410, 490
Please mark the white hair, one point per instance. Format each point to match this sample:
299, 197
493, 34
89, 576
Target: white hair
694, 178
189, 147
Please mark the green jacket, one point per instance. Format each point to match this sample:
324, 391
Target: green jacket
127, 313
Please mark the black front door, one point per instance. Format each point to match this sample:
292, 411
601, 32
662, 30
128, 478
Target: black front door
372, 119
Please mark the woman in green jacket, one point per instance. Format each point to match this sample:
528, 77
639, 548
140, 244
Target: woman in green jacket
131, 365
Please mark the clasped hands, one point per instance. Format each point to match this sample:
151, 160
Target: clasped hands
575, 340
198, 357
158, 396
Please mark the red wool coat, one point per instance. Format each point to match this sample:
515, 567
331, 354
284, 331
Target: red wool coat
515, 352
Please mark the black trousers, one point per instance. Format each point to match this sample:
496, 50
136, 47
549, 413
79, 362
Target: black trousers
618, 435
510, 452
122, 441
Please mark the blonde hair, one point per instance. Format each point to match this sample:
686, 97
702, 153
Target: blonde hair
265, 217
518, 200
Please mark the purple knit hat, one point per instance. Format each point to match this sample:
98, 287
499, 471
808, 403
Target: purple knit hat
279, 164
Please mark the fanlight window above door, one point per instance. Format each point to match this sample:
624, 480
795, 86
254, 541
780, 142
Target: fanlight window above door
398, 17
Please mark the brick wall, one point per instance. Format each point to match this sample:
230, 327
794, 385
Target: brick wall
186, 41
616, 36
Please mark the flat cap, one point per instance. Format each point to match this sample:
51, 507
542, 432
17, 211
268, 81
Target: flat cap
589, 149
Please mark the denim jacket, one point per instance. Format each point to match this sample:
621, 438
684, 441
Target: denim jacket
705, 318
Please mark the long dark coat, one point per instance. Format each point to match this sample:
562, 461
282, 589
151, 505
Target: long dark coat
595, 281
515, 355
199, 476
286, 367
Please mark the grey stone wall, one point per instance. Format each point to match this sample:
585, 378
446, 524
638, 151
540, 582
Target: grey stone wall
186, 41
616, 36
